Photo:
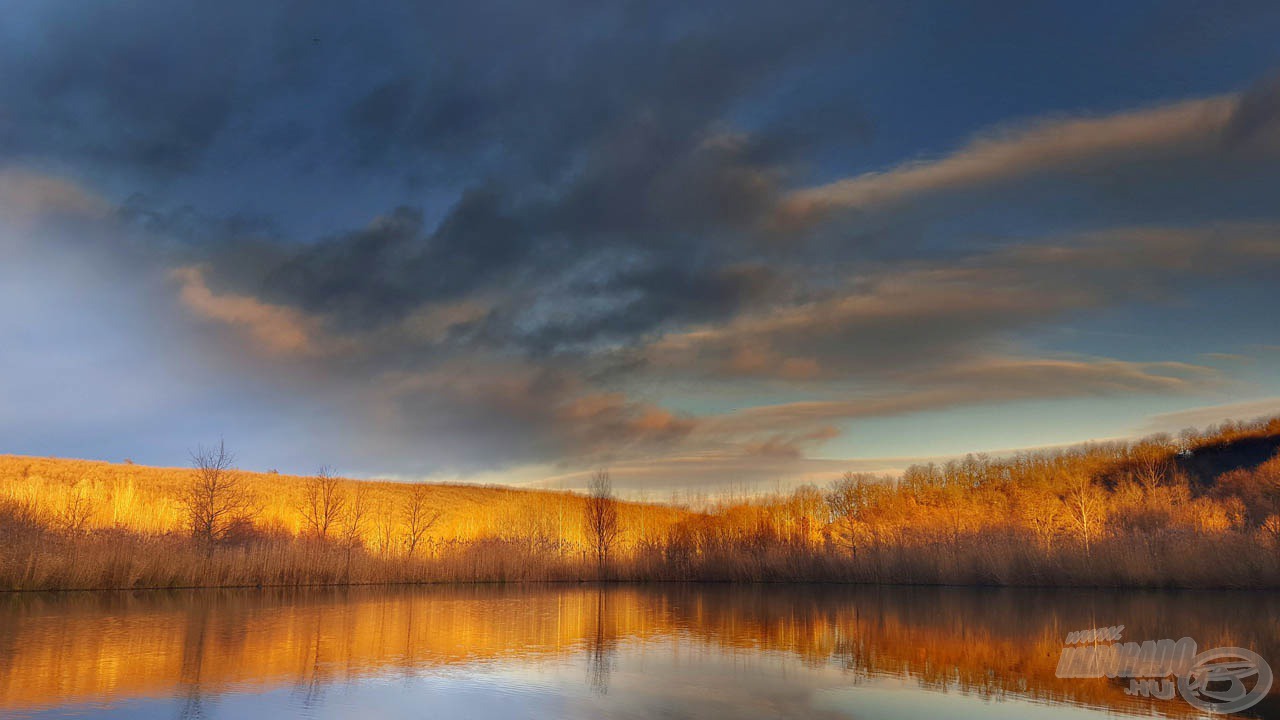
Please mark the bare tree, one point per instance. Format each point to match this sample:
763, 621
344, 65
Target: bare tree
354, 517
1271, 526
1043, 513
1086, 504
77, 508
322, 503
419, 517
216, 499
385, 528
1152, 461
601, 517
846, 500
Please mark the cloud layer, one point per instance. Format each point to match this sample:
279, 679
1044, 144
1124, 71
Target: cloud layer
668, 238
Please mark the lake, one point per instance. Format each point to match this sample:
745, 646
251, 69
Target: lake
581, 651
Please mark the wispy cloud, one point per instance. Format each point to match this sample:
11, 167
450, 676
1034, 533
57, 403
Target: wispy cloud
1057, 145
1201, 417
990, 380
933, 313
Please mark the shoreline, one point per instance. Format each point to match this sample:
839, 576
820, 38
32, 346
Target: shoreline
642, 583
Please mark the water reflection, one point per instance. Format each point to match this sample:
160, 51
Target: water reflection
583, 651
601, 646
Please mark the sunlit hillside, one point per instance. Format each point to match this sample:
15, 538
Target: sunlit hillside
145, 499
1116, 514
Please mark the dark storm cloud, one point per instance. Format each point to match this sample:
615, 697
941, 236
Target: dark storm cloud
426, 91
1256, 121
541, 84
644, 297
573, 135
144, 87
640, 238
602, 193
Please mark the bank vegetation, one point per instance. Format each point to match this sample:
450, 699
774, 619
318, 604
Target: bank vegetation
1198, 510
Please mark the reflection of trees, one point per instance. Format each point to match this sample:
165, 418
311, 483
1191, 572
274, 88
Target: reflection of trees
193, 645
314, 677
601, 645
193, 653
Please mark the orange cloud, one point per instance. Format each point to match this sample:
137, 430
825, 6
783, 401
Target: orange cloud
605, 421
274, 329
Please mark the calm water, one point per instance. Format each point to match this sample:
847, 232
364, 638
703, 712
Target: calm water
585, 652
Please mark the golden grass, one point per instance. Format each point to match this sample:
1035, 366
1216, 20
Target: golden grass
146, 500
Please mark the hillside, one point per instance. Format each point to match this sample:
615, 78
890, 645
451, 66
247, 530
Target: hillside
146, 499
1113, 514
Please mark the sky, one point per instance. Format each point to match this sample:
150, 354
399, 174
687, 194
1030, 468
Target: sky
704, 245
